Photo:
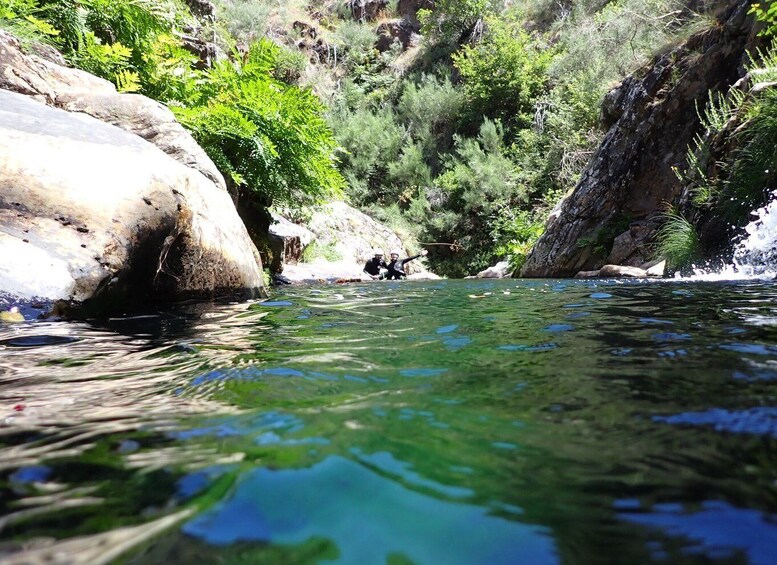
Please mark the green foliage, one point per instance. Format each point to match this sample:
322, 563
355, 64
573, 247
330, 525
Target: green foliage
245, 20
504, 73
430, 108
452, 21
23, 18
752, 169
315, 250
369, 141
718, 112
678, 241
744, 126
766, 13
720, 109
478, 183
129, 42
270, 138
612, 39
515, 232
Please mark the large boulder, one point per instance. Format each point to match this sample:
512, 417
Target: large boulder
77, 91
90, 212
499, 271
652, 117
392, 31
105, 198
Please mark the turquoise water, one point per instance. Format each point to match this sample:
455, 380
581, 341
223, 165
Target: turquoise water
400, 422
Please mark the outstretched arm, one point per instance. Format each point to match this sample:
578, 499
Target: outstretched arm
423, 253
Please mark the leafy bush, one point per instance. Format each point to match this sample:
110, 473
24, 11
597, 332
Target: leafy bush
453, 21
730, 165
129, 42
430, 108
514, 233
316, 250
26, 20
369, 141
479, 181
268, 137
504, 73
768, 15
752, 169
245, 20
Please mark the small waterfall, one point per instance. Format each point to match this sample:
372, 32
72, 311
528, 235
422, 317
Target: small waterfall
755, 256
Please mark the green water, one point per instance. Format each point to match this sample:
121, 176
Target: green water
401, 422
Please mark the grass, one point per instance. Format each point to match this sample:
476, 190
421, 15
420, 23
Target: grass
678, 241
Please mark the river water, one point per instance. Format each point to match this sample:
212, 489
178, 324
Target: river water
400, 422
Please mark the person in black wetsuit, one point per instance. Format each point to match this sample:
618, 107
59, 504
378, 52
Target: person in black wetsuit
396, 266
373, 266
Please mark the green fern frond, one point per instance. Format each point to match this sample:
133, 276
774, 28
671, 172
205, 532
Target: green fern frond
127, 81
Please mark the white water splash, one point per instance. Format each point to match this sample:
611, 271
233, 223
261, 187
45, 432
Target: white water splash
755, 257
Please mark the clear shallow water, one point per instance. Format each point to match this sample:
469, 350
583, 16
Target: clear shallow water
424, 422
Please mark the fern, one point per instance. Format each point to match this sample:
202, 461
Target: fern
127, 81
268, 137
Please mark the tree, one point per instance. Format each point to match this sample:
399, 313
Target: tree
504, 73
451, 21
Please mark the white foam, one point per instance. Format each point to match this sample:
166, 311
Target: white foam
755, 256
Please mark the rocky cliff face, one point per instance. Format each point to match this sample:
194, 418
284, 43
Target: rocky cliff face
104, 213
652, 117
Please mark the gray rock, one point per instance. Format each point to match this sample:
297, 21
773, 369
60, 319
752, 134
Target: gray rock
587, 274
352, 235
408, 9
150, 120
41, 78
395, 31
366, 9
91, 212
76, 91
288, 241
620, 271
499, 271
202, 8
629, 247
655, 268
347, 238
652, 114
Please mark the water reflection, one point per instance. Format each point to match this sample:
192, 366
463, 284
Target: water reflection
452, 421
367, 518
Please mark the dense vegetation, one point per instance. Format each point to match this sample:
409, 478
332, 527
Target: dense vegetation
464, 136
493, 119
267, 135
730, 167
